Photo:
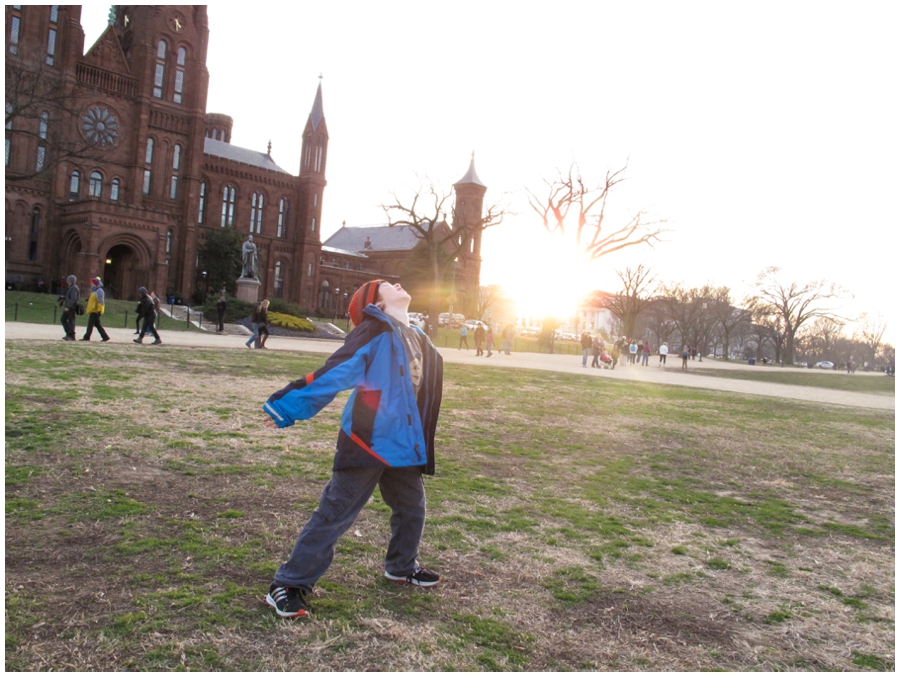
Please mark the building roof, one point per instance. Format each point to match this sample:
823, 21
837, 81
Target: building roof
380, 238
471, 176
318, 111
253, 158
345, 252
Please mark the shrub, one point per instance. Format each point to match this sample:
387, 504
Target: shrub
291, 322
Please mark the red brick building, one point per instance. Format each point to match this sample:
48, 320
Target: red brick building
125, 173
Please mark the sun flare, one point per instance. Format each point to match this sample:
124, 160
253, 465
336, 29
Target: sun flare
545, 274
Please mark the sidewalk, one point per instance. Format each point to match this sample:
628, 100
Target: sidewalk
570, 364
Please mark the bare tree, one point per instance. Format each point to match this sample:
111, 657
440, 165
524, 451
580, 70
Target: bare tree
426, 215
691, 312
726, 316
820, 339
871, 331
487, 297
41, 109
633, 297
790, 306
569, 195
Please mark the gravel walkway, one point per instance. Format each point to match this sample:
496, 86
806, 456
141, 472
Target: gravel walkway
671, 375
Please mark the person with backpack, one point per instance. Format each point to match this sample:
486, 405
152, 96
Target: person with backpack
386, 439
259, 320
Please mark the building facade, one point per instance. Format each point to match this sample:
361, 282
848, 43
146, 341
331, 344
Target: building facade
115, 168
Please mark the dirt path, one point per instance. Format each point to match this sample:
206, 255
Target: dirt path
671, 375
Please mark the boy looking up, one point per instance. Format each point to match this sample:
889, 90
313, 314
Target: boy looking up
386, 439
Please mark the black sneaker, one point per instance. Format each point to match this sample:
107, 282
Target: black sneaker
288, 602
422, 577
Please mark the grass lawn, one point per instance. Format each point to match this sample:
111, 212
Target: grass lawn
859, 382
579, 524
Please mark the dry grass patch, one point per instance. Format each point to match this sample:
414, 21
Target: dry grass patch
580, 524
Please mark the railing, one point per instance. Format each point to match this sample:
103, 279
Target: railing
104, 79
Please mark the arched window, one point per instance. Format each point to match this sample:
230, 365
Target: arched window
160, 76
74, 185
283, 206
169, 236
51, 35
95, 184
114, 190
279, 279
43, 129
320, 156
308, 152
14, 29
35, 229
313, 226
201, 215
176, 165
324, 294
179, 75
228, 207
256, 212
148, 160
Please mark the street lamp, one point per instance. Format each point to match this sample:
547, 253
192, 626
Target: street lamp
343, 312
204, 288
337, 298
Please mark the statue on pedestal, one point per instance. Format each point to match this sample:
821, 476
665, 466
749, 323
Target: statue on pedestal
249, 259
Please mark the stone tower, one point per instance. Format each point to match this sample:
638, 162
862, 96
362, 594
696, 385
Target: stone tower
468, 220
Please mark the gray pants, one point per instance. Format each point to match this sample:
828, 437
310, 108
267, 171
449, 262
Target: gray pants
344, 496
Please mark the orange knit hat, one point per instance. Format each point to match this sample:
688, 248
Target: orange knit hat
362, 297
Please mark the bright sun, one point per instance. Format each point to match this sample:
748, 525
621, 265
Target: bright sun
543, 273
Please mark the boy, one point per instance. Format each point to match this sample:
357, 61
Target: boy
386, 439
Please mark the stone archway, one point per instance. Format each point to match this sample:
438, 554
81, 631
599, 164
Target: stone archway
120, 272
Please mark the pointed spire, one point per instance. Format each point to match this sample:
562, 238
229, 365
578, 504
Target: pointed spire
318, 111
112, 15
471, 176
269, 151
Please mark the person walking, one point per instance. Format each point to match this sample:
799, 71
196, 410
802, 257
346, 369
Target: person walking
663, 352
147, 312
463, 337
632, 352
685, 354
69, 301
586, 344
479, 340
221, 307
597, 350
645, 354
489, 340
386, 440
258, 318
508, 334
262, 320
157, 314
95, 306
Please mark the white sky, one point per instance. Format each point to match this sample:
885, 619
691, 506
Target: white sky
766, 133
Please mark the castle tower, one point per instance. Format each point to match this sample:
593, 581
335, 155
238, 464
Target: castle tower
313, 158
467, 219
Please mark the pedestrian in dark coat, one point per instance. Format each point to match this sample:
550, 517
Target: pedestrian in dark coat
68, 301
147, 312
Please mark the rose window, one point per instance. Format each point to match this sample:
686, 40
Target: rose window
100, 126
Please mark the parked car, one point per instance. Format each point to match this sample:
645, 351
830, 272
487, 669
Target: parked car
474, 324
825, 365
416, 319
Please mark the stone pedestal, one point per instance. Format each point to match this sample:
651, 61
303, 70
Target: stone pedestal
248, 289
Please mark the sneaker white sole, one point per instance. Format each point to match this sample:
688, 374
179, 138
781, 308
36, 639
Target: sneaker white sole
286, 614
410, 580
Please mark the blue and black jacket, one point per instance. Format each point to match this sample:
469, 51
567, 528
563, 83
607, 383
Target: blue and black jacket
384, 423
